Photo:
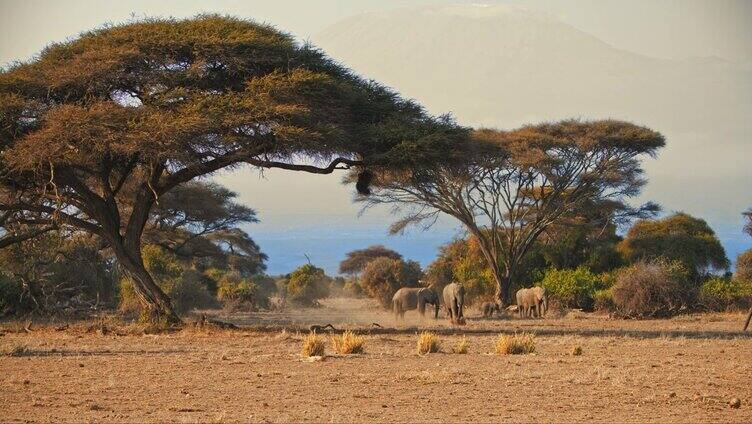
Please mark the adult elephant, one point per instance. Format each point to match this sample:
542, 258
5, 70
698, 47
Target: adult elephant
454, 300
406, 299
532, 302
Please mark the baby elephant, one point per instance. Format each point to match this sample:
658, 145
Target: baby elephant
488, 309
532, 302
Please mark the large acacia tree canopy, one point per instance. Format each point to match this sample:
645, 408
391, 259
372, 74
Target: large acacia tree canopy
187, 92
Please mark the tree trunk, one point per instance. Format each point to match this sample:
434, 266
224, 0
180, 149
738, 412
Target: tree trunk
749, 317
154, 301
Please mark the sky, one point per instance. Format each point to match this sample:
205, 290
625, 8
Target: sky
314, 215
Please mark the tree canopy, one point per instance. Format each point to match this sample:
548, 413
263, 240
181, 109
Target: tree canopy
679, 237
357, 260
518, 183
96, 130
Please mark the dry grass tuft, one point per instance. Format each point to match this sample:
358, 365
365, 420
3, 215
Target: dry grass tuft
577, 351
312, 345
348, 343
17, 350
462, 346
515, 345
428, 343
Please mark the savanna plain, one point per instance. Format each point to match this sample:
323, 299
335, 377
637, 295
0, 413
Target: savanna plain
585, 367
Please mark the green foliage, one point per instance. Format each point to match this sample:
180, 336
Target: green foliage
678, 237
653, 289
237, 293
186, 288
719, 294
573, 288
59, 271
306, 285
357, 260
744, 266
383, 276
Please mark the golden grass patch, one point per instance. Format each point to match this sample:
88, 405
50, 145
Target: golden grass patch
312, 345
515, 344
428, 342
577, 351
462, 346
347, 343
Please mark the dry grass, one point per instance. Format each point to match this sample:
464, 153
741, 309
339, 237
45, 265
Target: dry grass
312, 345
515, 345
577, 350
462, 346
17, 350
348, 343
428, 342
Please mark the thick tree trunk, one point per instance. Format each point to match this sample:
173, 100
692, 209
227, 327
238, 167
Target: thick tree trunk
749, 317
155, 302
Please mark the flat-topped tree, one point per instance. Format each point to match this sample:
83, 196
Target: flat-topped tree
93, 131
519, 183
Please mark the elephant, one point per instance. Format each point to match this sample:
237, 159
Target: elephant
532, 302
488, 309
406, 299
454, 300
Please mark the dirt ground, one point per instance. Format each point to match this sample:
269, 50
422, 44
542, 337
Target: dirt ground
680, 370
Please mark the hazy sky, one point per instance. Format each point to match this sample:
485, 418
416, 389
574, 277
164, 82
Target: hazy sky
306, 212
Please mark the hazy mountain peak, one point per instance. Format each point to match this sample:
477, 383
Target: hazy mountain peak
490, 11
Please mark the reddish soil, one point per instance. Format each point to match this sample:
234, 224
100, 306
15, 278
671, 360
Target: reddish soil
685, 369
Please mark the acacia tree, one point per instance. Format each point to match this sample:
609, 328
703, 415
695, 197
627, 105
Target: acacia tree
199, 222
519, 183
357, 260
94, 131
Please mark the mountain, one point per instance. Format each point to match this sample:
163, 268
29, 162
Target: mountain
504, 66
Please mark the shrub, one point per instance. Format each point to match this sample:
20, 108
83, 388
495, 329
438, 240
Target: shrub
651, 289
515, 345
189, 292
721, 294
428, 343
573, 288
237, 293
10, 296
462, 346
604, 300
312, 345
306, 285
348, 343
382, 277
744, 266
577, 350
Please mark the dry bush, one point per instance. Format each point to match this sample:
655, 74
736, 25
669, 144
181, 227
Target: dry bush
428, 343
515, 345
651, 289
577, 350
312, 345
462, 346
348, 343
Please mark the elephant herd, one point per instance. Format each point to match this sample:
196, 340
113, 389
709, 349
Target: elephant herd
530, 302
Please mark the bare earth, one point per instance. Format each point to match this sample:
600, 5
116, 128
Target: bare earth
680, 370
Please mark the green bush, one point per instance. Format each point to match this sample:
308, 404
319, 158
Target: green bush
237, 293
604, 300
382, 277
573, 288
306, 285
720, 294
744, 266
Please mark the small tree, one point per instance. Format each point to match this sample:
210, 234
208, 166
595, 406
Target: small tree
357, 260
95, 131
677, 237
383, 276
516, 184
307, 284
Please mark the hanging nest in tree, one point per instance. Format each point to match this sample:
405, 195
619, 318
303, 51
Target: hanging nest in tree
363, 185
